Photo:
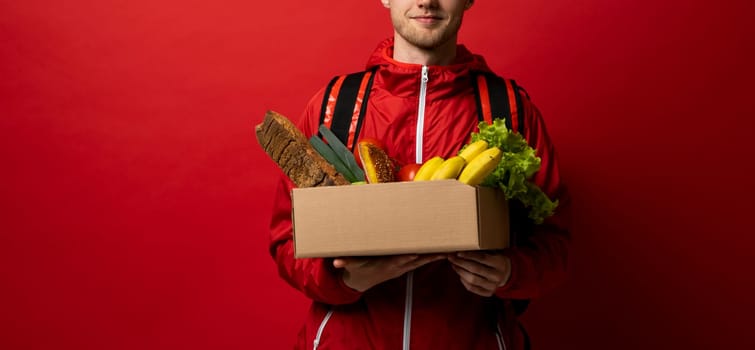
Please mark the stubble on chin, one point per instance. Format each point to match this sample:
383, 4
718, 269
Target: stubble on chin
426, 39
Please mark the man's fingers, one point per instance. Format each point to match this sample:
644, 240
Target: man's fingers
339, 263
420, 261
349, 262
480, 257
476, 273
404, 264
475, 279
414, 260
401, 263
402, 260
474, 267
477, 289
394, 260
474, 283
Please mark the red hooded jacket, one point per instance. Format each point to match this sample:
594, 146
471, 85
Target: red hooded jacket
428, 308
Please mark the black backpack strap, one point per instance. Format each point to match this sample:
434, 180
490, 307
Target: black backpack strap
344, 104
498, 98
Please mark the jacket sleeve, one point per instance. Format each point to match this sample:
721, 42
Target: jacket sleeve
315, 277
541, 263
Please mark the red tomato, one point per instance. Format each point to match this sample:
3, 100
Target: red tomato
407, 172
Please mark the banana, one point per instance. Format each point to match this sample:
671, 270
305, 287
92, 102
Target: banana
427, 169
481, 166
450, 168
473, 149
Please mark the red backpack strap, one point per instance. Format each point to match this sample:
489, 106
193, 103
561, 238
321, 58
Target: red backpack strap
498, 98
344, 105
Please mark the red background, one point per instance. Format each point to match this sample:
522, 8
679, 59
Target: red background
134, 198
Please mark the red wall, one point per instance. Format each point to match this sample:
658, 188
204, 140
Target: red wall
134, 197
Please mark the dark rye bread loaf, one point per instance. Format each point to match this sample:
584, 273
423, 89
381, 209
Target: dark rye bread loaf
290, 149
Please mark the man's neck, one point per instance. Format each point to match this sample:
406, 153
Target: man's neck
405, 52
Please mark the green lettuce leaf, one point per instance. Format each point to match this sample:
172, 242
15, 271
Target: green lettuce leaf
518, 165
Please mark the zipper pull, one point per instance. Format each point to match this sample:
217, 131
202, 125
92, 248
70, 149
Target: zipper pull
425, 76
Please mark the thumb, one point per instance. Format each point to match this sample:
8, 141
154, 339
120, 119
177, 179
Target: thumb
348, 262
339, 263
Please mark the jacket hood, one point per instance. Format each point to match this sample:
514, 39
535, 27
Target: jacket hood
395, 74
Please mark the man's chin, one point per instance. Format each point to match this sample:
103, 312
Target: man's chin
429, 44
425, 41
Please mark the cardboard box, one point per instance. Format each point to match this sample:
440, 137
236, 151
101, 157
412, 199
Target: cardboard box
398, 218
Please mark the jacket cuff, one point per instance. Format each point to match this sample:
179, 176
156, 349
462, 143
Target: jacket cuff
513, 275
334, 287
515, 261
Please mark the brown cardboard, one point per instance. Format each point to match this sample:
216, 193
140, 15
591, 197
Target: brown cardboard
398, 218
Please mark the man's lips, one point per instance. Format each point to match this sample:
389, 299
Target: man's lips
427, 19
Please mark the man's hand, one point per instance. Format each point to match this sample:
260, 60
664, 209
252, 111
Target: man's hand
363, 273
481, 272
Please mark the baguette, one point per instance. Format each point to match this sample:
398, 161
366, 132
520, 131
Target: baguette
290, 149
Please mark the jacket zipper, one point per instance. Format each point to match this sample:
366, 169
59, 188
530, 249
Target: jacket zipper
321, 328
421, 114
408, 310
418, 159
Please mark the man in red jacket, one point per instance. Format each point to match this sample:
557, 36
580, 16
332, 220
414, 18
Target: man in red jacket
422, 104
